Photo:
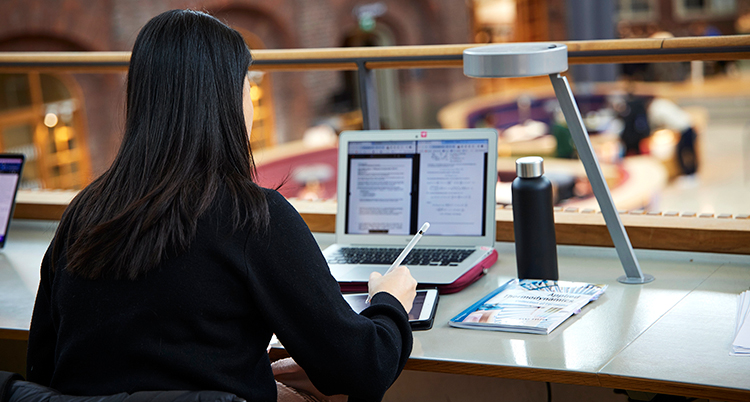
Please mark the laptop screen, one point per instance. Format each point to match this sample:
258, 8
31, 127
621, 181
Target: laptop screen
393, 187
10, 175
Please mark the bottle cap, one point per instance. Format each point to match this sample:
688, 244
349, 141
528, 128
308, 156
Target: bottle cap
529, 167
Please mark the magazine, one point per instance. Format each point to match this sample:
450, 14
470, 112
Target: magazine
528, 305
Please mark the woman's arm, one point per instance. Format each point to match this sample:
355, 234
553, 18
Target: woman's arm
341, 351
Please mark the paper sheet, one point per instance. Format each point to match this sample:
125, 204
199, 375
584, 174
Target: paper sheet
741, 343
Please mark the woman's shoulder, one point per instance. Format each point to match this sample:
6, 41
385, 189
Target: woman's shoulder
280, 210
275, 199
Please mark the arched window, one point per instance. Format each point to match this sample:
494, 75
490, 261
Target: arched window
41, 118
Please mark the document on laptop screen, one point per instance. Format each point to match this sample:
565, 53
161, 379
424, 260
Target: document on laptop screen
380, 186
451, 186
10, 172
380, 194
8, 182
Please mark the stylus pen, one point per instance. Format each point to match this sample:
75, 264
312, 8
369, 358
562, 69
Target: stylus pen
405, 252
408, 248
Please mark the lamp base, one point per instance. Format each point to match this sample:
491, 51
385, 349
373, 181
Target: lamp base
635, 281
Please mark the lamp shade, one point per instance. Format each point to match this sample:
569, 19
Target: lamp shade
516, 60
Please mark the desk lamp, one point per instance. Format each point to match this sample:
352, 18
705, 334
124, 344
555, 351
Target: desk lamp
539, 58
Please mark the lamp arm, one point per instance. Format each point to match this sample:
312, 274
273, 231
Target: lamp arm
633, 274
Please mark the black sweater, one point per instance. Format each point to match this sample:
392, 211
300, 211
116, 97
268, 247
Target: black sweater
202, 320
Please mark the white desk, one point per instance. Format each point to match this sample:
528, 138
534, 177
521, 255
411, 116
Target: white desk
670, 336
691, 342
20, 260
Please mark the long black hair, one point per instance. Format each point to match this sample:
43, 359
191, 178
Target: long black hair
185, 140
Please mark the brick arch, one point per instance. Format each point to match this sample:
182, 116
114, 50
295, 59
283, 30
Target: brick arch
85, 24
410, 22
402, 15
272, 28
39, 43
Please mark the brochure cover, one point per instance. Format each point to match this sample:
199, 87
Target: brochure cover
529, 305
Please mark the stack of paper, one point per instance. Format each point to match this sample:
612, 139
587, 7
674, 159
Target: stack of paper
741, 344
532, 306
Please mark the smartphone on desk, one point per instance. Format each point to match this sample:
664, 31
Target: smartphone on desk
422, 313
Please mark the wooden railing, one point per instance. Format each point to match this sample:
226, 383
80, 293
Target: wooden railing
680, 231
667, 231
404, 57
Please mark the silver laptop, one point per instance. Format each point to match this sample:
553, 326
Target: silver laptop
11, 166
390, 182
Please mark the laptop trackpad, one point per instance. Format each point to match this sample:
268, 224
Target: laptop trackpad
340, 271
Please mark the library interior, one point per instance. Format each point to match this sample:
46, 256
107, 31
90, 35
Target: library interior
637, 110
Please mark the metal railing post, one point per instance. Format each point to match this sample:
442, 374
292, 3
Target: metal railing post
368, 97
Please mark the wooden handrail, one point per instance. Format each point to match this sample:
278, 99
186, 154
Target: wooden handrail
662, 231
429, 56
665, 231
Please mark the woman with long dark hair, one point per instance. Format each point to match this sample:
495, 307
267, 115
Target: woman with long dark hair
173, 269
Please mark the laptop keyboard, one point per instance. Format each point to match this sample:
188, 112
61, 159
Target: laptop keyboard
386, 256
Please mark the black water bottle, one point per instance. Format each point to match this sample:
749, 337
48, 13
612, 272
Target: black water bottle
533, 221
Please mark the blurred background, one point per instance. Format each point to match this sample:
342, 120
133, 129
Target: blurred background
672, 137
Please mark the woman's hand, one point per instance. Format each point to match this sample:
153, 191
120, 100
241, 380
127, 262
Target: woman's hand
398, 283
